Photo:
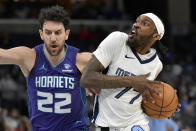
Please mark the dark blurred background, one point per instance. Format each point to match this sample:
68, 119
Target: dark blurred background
92, 21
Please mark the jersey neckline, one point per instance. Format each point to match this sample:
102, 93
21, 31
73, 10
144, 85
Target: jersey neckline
60, 61
144, 61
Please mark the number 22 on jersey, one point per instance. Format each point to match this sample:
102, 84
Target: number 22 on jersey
48, 99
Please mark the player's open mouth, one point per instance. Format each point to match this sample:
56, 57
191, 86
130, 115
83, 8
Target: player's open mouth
132, 33
54, 47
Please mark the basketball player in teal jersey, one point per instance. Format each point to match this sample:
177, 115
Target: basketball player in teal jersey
53, 70
132, 67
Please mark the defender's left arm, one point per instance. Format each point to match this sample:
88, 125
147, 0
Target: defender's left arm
82, 60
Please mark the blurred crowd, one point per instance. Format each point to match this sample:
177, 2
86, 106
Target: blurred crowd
87, 9
179, 62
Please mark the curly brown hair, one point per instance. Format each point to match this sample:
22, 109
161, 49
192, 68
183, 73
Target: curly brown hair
54, 13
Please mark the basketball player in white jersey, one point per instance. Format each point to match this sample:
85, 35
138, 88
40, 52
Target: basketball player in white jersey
132, 66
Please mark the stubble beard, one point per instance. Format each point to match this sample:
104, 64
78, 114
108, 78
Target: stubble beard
54, 53
133, 44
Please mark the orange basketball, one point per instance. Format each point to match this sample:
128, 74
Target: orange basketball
165, 105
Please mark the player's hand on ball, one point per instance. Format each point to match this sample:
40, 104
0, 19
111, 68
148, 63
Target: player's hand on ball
178, 106
142, 85
165, 105
177, 110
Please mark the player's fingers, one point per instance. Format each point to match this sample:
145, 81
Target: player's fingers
154, 90
156, 82
96, 91
144, 98
171, 116
88, 92
177, 110
149, 96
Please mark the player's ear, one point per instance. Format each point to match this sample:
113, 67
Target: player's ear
67, 34
156, 36
41, 34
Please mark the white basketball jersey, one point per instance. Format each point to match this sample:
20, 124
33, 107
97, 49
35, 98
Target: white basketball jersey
121, 107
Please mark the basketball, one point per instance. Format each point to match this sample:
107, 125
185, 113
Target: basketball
165, 105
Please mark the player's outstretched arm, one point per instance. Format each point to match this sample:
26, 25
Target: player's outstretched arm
24, 57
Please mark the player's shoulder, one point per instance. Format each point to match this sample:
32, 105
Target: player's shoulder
153, 57
118, 38
24, 50
28, 53
157, 59
119, 34
83, 55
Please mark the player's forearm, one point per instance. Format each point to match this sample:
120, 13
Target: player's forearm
98, 80
7, 58
3, 59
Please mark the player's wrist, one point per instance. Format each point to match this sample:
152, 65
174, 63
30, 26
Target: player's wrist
131, 80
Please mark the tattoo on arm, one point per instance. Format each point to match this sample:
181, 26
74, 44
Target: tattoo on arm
93, 78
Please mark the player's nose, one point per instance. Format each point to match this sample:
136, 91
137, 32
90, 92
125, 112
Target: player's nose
53, 37
136, 25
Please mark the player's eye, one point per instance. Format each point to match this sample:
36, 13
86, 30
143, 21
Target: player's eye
145, 23
58, 32
48, 32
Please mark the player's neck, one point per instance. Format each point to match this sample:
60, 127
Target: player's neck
55, 60
142, 50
